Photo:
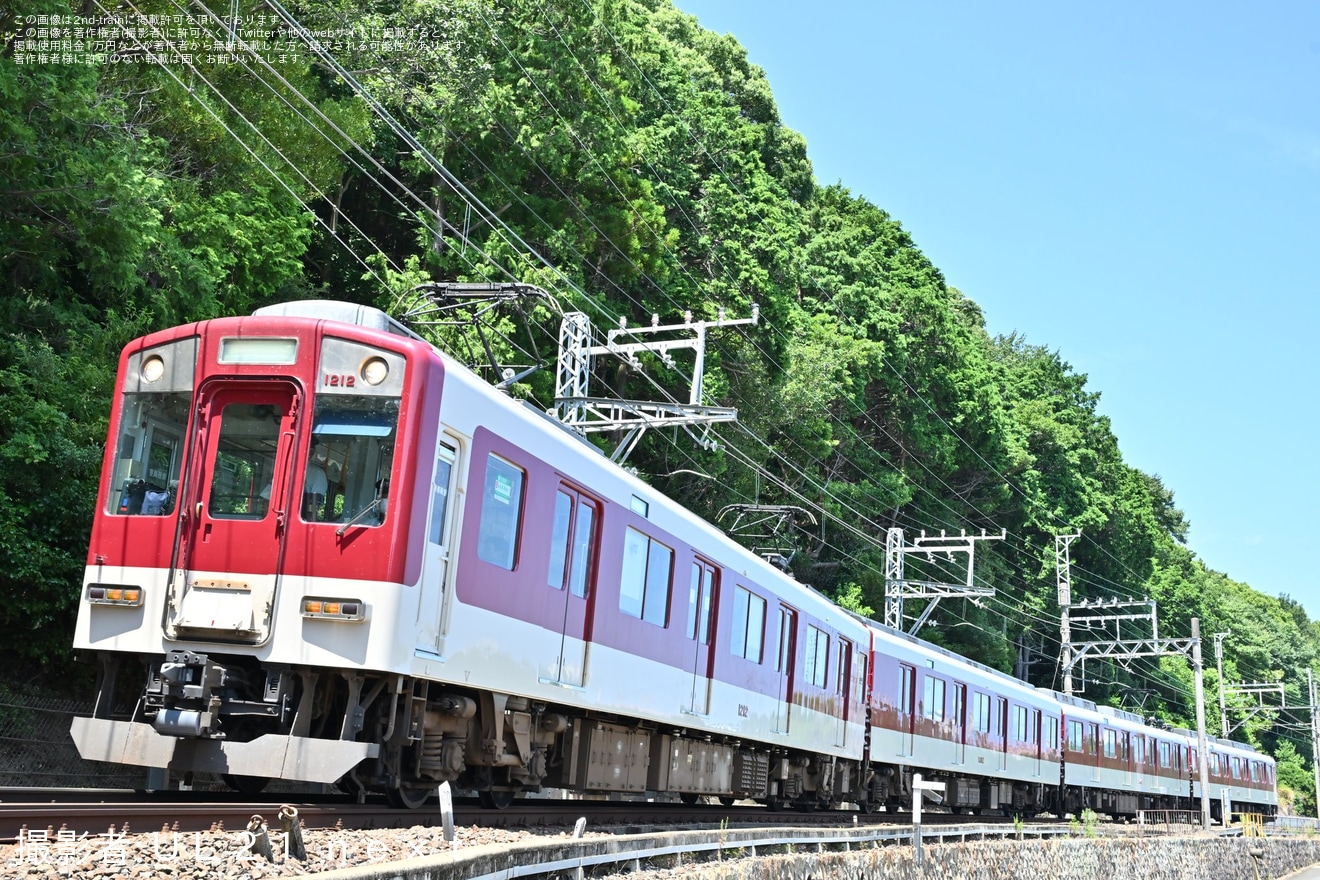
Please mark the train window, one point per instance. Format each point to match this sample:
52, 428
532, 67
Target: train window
1139, 749
244, 461
346, 478
907, 681
1033, 729
933, 699
644, 584
699, 598
981, 713
1051, 732
444, 468
1110, 742
784, 635
150, 453
572, 543
1166, 758
959, 705
748, 625
501, 513
1237, 767
1020, 724
816, 655
1074, 736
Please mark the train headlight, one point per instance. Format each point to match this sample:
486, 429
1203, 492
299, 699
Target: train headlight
114, 594
153, 368
333, 609
375, 370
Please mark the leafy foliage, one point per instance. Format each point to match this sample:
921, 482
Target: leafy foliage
633, 164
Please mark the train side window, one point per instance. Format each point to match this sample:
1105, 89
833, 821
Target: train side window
748, 625
444, 468
1051, 732
817, 655
959, 707
1110, 743
1074, 736
1166, 759
644, 584
1020, 724
501, 513
699, 598
572, 542
1033, 729
981, 712
906, 685
933, 696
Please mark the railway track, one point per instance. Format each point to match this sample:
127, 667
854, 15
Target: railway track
94, 811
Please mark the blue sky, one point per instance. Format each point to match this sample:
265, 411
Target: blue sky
1135, 187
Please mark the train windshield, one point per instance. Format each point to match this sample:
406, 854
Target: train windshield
347, 475
150, 453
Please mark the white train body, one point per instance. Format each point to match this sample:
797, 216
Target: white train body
340, 556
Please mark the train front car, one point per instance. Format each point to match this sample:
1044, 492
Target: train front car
246, 550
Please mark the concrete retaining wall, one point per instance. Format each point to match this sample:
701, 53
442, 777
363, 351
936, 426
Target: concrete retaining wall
1184, 858
1087, 859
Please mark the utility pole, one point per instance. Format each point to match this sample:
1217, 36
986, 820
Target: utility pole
1315, 739
898, 587
1219, 665
1063, 567
1201, 743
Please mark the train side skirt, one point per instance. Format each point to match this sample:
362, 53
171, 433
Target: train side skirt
269, 756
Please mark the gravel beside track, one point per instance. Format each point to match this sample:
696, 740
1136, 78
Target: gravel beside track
220, 854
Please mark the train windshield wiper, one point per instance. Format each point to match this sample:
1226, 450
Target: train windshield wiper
374, 505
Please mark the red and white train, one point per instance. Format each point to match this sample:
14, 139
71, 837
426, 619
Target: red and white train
330, 553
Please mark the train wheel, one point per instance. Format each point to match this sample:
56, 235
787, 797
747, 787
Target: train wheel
728, 801
495, 799
689, 798
774, 804
407, 797
248, 785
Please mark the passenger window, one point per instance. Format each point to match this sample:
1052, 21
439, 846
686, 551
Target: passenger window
818, 645
644, 584
699, 596
748, 627
572, 542
501, 513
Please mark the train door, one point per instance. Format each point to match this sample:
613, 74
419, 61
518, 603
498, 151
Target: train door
1093, 744
784, 664
235, 505
1037, 743
906, 705
959, 723
1125, 755
433, 597
701, 601
571, 572
1001, 713
842, 691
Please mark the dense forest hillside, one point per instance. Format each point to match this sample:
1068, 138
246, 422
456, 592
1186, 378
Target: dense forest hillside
630, 163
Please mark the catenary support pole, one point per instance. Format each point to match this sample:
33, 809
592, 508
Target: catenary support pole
1201, 744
